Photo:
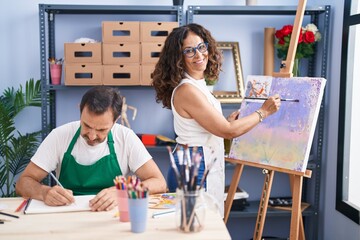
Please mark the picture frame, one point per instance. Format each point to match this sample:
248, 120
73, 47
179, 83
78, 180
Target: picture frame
225, 91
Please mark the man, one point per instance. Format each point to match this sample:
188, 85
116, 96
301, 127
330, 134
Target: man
88, 154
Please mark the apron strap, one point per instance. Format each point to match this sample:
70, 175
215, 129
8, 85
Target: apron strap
73, 141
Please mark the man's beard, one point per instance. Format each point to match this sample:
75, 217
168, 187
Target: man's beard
92, 142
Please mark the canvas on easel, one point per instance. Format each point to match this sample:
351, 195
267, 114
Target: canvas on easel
283, 139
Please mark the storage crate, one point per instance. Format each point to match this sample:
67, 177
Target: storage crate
156, 31
117, 75
150, 52
120, 53
115, 32
83, 74
82, 52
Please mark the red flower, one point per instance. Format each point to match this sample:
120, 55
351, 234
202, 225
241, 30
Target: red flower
286, 30
300, 40
309, 37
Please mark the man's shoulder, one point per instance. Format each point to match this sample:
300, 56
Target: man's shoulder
67, 128
121, 132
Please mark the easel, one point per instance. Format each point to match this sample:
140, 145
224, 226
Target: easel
296, 177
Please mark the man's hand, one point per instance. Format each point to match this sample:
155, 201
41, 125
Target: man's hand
105, 200
58, 196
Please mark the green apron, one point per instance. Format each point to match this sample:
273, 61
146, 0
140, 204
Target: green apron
89, 179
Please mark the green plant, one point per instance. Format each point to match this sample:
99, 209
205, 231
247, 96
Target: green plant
210, 82
16, 149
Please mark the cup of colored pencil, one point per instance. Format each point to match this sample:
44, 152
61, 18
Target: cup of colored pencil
122, 198
136, 201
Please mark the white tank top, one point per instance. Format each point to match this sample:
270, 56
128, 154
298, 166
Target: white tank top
190, 132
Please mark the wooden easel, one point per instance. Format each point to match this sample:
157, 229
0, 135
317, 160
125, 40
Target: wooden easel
296, 180
296, 177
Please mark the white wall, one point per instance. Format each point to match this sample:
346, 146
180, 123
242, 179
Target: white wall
19, 61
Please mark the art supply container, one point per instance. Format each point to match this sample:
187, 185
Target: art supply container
122, 200
190, 210
55, 72
138, 209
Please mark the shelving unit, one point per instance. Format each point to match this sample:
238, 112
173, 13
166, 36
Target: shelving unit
316, 155
47, 19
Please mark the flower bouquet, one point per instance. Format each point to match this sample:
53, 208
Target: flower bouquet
308, 37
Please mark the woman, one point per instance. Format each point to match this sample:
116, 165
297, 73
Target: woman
188, 57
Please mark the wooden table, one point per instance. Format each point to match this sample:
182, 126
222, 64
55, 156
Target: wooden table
99, 225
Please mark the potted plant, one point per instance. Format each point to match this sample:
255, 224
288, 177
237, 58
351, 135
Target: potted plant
16, 148
210, 83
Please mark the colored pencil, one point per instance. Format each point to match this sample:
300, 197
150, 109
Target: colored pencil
9, 215
22, 205
56, 180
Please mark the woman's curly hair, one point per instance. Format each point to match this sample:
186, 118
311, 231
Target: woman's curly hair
169, 70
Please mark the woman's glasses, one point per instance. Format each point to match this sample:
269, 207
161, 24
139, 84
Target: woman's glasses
191, 51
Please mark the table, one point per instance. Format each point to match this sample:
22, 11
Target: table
99, 225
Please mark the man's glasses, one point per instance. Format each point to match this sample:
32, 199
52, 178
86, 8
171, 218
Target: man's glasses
191, 51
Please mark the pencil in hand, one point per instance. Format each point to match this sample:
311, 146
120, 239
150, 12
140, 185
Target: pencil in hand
55, 179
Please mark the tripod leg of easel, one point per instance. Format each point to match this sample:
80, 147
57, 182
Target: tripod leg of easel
264, 200
301, 230
296, 216
232, 190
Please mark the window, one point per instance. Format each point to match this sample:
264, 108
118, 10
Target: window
347, 191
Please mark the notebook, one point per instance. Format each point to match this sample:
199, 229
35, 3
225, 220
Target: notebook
81, 204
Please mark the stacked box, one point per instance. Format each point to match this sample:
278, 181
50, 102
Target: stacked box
117, 32
132, 46
83, 64
120, 53
150, 52
83, 52
81, 74
117, 75
156, 31
153, 36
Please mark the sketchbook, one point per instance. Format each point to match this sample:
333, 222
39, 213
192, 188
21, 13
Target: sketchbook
81, 204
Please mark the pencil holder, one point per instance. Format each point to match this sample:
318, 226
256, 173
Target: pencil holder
55, 72
190, 210
138, 209
122, 200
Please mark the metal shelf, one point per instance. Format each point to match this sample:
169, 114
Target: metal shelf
112, 9
47, 16
253, 208
249, 10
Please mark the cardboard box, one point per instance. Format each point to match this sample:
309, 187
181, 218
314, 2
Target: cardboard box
83, 74
115, 32
82, 52
117, 75
146, 74
150, 52
156, 31
120, 53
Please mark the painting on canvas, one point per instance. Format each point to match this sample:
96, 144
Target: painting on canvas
283, 139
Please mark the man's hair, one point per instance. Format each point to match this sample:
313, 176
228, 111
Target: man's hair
99, 99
